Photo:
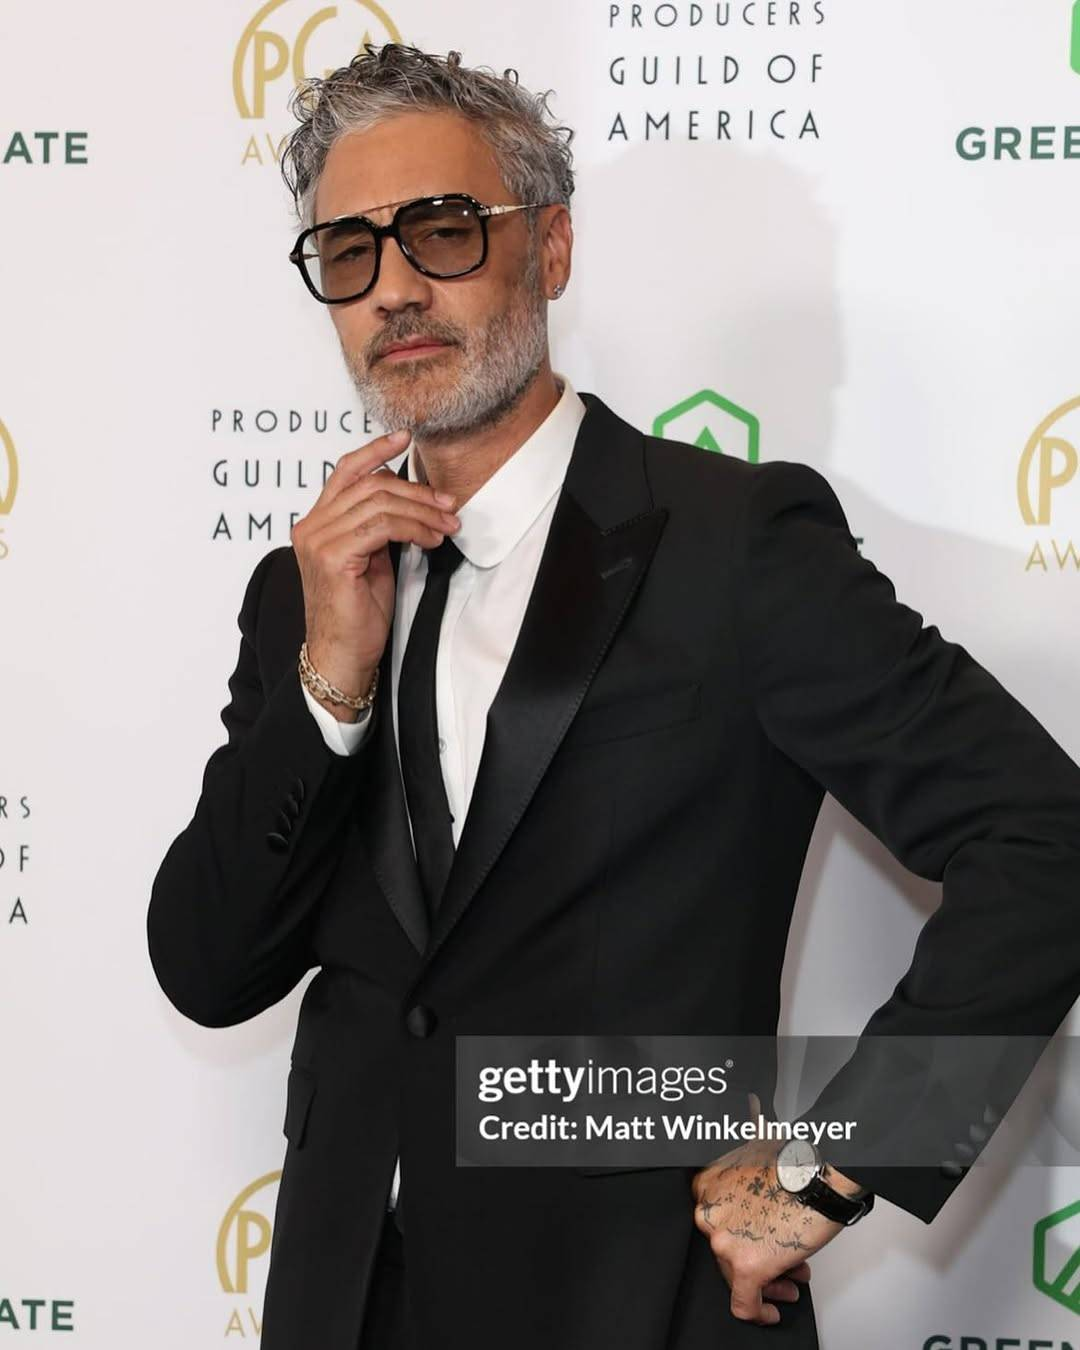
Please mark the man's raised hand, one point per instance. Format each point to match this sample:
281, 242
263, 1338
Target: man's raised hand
341, 548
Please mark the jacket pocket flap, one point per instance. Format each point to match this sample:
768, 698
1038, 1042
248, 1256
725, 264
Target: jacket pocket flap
300, 1091
620, 717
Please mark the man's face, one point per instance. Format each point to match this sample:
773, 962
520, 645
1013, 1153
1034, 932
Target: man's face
493, 321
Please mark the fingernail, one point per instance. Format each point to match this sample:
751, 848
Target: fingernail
399, 435
444, 498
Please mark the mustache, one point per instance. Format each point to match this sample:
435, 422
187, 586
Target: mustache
402, 333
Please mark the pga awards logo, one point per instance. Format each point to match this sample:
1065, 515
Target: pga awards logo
243, 1254
1048, 490
287, 41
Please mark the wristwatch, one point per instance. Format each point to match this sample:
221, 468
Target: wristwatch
801, 1171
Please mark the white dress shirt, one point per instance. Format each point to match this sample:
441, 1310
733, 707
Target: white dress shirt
504, 526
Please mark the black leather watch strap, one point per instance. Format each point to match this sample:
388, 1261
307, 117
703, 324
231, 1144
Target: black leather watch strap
843, 1209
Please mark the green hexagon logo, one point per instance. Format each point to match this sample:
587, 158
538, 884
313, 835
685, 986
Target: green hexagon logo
1056, 1256
713, 422
1074, 50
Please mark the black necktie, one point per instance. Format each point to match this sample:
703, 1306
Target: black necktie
418, 731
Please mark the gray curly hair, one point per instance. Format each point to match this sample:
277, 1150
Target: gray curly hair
533, 156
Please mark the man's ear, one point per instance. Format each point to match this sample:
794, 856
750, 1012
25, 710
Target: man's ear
556, 247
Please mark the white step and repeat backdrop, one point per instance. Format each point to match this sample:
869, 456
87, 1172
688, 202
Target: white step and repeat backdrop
842, 232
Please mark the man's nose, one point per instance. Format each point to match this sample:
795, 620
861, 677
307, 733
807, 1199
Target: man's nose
399, 282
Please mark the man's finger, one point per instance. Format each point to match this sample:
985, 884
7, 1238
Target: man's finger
784, 1289
363, 460
386, 488
747, 1304
364, 521
375, 533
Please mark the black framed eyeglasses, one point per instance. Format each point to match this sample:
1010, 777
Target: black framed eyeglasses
442, 237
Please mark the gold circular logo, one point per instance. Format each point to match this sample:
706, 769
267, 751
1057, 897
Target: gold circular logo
264, 55
243, 1236
1048, 463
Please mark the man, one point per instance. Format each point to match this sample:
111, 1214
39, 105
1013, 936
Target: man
531, 737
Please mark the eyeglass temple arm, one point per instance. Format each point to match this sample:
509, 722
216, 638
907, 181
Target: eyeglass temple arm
505, 210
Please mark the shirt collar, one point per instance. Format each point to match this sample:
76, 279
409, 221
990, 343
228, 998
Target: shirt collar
498, 514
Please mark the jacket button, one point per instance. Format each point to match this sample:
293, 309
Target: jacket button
277, 842
952, 1170
420, 1021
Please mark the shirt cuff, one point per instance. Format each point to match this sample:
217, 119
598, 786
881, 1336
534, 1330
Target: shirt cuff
344, 738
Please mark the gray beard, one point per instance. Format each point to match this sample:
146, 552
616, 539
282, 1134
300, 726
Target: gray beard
498, 364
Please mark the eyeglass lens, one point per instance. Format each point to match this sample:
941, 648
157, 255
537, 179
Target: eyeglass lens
446, 239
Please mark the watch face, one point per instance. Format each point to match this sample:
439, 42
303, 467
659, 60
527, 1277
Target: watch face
797, 1164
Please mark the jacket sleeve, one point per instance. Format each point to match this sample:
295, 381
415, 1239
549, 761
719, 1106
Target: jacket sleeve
961, 784
234, 901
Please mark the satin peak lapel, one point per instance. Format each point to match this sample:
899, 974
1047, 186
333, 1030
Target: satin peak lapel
604, 532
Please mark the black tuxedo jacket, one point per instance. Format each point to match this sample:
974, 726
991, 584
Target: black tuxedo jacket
704, 653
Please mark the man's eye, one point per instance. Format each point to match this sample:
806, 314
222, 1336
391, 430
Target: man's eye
352, 253
446, 232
